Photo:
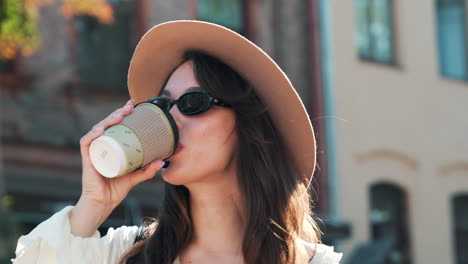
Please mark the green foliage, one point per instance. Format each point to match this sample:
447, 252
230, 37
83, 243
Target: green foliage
19, 33
18, 29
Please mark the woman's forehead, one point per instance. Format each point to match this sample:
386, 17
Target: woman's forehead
181, 81
168, 92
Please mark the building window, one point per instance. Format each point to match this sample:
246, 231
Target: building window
229, 13
374, 36
451, 37
460, 227
104, 50
7, 66
388, 218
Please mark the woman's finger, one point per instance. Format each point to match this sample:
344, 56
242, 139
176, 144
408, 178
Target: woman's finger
116, 115
97, 130
85, 142
130, 102
144, 174
125, 110
110, 120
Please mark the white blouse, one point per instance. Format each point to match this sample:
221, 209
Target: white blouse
52, 242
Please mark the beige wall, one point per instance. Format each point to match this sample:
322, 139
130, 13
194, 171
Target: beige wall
405, 125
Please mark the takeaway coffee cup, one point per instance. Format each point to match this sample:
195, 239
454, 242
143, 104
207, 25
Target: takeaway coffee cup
147, 134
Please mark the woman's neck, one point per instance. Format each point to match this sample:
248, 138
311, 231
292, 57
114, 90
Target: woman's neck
218, 216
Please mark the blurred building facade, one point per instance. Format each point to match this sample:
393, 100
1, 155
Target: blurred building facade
51, 99
400, 94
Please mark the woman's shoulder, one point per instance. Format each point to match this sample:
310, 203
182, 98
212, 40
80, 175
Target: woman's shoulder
53, 242
323, 254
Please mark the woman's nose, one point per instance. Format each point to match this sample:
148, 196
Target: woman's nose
177, 115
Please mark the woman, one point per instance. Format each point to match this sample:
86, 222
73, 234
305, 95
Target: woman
235, 189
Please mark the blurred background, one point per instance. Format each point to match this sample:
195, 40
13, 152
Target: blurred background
385, 83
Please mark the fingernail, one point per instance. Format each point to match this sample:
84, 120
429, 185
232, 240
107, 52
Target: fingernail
117, 115
98, 128
130, 101
128, 107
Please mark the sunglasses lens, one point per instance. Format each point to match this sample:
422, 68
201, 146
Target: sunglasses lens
162, 103
194, 103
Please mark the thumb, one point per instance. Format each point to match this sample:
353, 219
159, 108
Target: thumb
144, 174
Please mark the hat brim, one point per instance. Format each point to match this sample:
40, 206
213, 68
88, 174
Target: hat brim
162, 48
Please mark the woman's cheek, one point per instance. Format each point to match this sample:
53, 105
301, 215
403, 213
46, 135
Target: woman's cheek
209, 146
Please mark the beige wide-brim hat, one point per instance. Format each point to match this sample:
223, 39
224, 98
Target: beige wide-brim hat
161, 50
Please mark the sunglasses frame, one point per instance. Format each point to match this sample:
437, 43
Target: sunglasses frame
212, 101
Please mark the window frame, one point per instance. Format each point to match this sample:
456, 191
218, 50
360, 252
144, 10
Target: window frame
372, 40
376, 231
136, 25
443, 72
455, 238
244, 9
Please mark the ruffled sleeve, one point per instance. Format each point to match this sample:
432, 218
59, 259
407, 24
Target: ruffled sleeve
323, 254
52, 242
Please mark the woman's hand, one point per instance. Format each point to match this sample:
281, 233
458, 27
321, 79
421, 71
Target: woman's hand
100, 195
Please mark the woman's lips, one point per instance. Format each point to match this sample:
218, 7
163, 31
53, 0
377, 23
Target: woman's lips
178, 148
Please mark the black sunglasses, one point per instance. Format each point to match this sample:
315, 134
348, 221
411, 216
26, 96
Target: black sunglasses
189, 103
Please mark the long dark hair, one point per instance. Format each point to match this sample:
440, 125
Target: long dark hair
277, 201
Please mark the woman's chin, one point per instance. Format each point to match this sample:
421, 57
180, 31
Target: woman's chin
171, 176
